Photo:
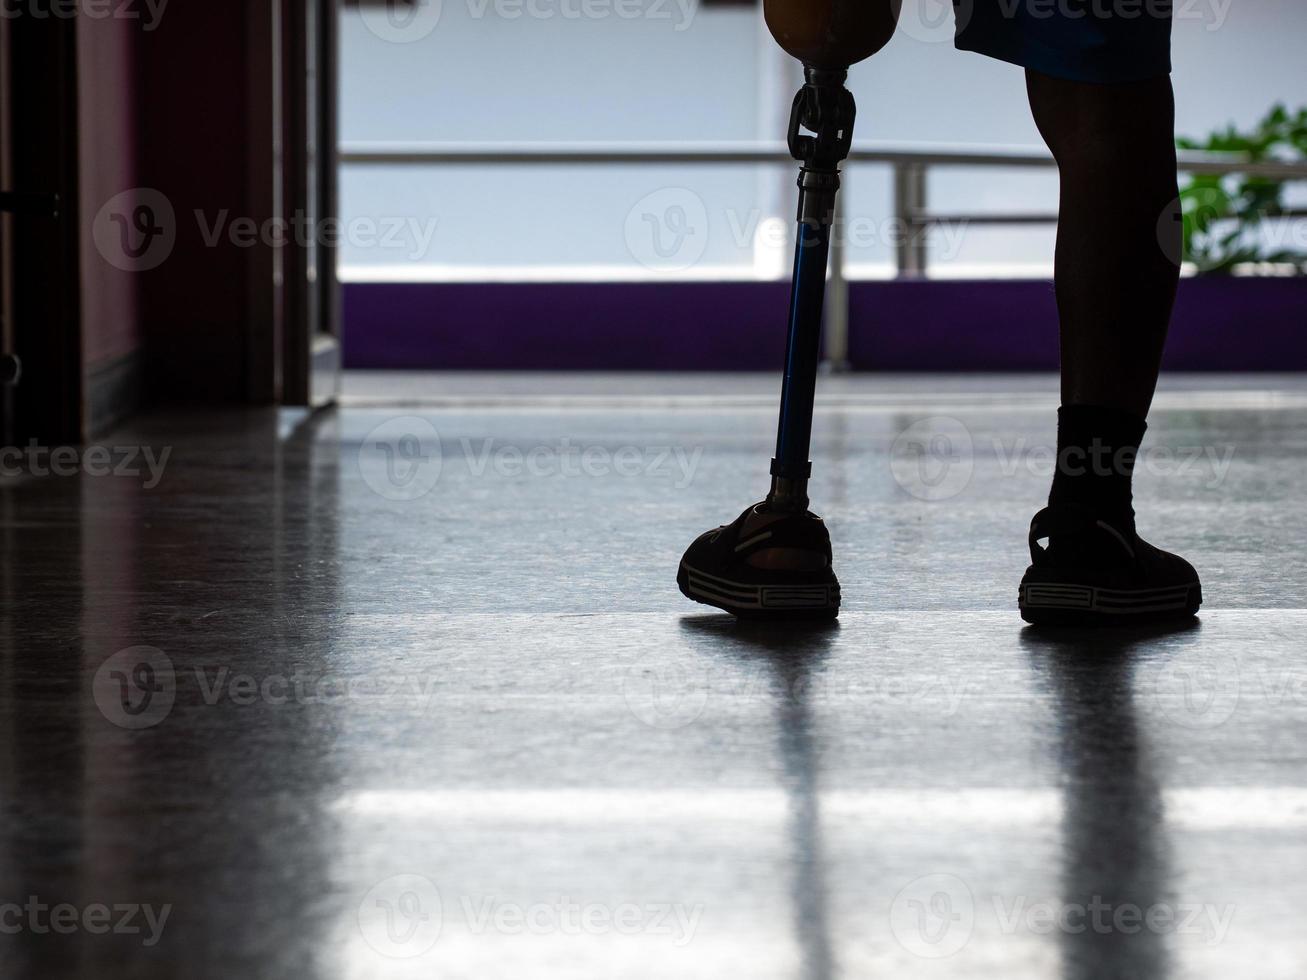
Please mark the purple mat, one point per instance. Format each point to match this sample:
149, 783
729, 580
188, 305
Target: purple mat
990, 325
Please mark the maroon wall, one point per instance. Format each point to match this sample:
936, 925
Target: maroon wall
195, 135
111, 332
107, 127
164, 117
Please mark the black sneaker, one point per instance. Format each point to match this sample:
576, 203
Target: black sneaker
716, 569
1093, 573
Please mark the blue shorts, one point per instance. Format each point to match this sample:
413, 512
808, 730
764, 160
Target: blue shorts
1101, 41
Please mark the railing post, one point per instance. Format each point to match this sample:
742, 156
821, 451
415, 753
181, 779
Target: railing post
837, 295
909, 210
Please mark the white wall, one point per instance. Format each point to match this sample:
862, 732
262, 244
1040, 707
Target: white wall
495, 70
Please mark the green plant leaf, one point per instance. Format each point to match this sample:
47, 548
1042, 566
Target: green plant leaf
1210, 202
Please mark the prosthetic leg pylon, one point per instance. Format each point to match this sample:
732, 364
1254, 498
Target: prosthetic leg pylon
774, 560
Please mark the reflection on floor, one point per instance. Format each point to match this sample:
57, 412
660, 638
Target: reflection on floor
410, 691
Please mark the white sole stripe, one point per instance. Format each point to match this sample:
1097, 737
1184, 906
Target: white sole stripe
1037, 595
729, 593
738, 595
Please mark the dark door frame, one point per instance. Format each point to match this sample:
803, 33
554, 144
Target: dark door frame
308, 180
291, 330
41, 246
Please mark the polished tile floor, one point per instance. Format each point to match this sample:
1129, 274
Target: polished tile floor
407, 690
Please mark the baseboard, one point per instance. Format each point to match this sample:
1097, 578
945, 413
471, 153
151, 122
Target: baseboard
1220, 324
113, 392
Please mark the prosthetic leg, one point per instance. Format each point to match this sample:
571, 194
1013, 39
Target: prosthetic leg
774, 561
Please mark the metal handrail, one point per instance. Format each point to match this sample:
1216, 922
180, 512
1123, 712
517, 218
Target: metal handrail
931, 155
909, 164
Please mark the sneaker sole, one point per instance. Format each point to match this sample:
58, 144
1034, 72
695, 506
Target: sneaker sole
817, 600
1069, 604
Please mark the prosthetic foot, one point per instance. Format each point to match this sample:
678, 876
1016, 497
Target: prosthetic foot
774, 561
766, 564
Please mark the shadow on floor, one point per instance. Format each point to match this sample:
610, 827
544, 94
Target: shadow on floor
791, 656
1116, 861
